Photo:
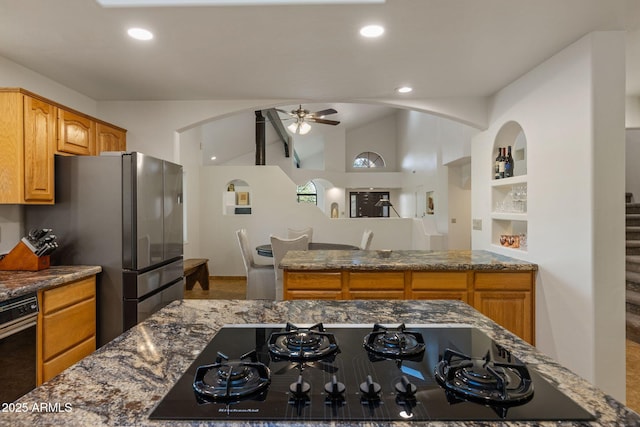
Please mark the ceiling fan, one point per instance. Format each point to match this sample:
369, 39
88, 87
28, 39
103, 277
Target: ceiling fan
302, 118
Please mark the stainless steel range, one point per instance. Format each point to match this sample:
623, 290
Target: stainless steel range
361, 373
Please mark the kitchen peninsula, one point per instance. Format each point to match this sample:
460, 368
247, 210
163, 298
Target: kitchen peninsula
121, 383
500, 287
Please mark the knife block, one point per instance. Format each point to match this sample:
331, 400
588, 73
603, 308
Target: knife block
22, 258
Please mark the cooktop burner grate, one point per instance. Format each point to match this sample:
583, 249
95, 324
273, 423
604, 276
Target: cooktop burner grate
395, 343
484, 380
228, 380
297, 343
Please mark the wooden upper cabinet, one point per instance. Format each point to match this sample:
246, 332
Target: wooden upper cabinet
110, 138
32, 130
39, 139
76, 133
27, 138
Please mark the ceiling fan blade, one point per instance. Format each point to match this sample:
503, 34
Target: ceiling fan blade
283, 111
323, 121
324, 112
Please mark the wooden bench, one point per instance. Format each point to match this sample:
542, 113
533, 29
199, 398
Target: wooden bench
196, 270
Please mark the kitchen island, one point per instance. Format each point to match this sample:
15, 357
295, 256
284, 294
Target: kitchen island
500, 287
121, 383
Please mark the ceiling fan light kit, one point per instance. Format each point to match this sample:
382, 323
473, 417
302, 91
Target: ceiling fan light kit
300, 128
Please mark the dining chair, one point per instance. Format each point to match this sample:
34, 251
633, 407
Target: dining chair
293, 233
261, 283
280, 247
367, 236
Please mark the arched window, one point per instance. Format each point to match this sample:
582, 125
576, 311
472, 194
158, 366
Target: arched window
368, 159
308, 193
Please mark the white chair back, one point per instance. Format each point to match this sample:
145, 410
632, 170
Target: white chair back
280, 247
293, 233
247, 255
367, 236
261, 283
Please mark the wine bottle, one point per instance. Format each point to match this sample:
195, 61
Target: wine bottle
496, 166
502, 161
508, 164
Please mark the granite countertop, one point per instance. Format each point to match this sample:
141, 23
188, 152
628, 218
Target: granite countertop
403, 260
16, 283
122, 382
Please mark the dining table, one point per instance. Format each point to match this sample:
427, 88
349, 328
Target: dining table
265, 250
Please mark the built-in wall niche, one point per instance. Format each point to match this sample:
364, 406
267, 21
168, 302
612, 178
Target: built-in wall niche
509, 195
237, 198
511, 135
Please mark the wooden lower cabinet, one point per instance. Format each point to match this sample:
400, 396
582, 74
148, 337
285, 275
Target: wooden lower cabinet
507, 297
326, 285
513, 310
66, 327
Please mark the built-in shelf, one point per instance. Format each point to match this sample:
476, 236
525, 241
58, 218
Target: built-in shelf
509, 181
509, 216
509, 196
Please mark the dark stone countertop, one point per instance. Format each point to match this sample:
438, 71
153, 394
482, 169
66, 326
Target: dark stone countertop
122, 382
16, 283
456, 260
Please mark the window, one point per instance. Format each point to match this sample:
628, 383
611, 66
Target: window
368, 159
308, 194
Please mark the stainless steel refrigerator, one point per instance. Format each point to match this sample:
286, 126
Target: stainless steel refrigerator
122, 211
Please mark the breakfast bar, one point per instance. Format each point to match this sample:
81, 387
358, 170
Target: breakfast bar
122, 382
500, 287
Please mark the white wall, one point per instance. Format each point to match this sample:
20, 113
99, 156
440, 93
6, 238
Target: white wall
425, 144
632, 156
571, 110
379, 137
272, 213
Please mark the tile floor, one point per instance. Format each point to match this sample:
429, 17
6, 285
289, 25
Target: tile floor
234, 288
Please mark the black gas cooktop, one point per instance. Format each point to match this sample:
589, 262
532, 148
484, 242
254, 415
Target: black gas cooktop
361, 373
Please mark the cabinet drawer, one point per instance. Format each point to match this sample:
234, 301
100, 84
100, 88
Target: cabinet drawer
64, 296
384, 295
313, 280
376, 280
314, 295
423, 280
454, 295
504, 281
68, 327
58, 364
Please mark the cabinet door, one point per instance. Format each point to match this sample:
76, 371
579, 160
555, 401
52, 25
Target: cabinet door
39, 143
76, 133
109, 138
511, 310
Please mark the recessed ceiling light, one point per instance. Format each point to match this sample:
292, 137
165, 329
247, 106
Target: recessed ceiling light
140, 33
213, 157
372, 31
404, 89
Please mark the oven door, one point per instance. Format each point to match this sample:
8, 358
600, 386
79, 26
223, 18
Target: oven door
17, 358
